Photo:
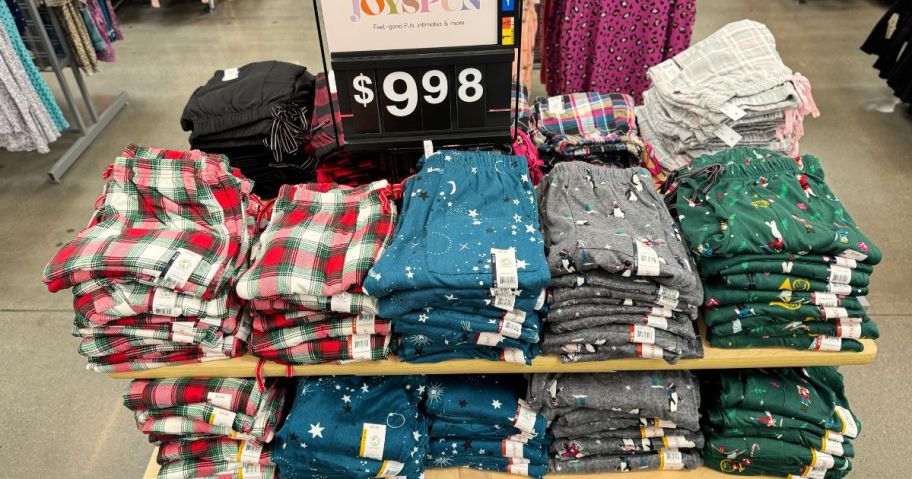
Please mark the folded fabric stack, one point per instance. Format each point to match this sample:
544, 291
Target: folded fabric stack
623, 285
728, 89
779, 422
619, 422
354, 427
595, 127
258, 116
482, 422
152, 274
782, 260
304, 281
465, 274
217, 428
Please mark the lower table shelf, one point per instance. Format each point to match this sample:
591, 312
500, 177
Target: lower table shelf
715, 358
462, 473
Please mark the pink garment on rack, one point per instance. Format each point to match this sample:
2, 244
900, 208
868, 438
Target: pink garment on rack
793, 127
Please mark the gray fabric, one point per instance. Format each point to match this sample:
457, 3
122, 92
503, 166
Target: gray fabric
640, 286
586, 292
607, 433
597, 217
613, 305
566, 311
603, 353
621, 463
611, 335
663, 394
576, 448
593, 317
585, 419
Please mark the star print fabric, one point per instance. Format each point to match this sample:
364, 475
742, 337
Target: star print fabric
483, 422
779, 422
152, 273
783, 263
618, 422
463, 214
611, 243
216, 427
354, 427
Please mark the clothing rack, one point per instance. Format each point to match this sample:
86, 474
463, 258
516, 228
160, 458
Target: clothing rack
39, 43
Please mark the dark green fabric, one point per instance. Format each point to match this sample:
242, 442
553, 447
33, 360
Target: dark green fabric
752, 456
774, 327
794, 341
719, 295
754, 201
793, 436
789, 282
779, 310
814, 266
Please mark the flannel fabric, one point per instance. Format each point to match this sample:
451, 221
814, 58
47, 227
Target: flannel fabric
264, 323
115, 298
321, 240
350, 303
235, 394
215, 470
355, 427
326, 134
216, 450
283, 338
371, 347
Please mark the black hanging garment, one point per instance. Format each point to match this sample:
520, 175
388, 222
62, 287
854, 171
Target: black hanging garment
894, 55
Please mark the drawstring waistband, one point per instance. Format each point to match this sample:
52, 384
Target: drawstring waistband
289, 128
670, 186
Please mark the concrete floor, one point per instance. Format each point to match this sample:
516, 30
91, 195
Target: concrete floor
59, 420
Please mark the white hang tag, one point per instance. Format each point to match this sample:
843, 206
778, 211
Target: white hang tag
182, 267
827, 343
736, 326
250, 452
331, 82
428, 148
511, 449
835, 448
647, 432
506, 303
523, 437
505, 270
649, 351
556, 104
817, 473
221, 400
390, 469
511, 329
628, 302
373, 441
512, 355
846, 262
164, 302
525, 418
516, 316
641, 334
840, 275
668, 297
671, 460
852, 254
659, 322
849, 427
488, 339
824, 460
365, 324
251, 471
230, 74
849, 328
222, 417
831, 313
664, 424
827, 300
732, 111
361, 346
340, 303
728, 136
664, 312
629, 445
647, 261
841, 289
677, 442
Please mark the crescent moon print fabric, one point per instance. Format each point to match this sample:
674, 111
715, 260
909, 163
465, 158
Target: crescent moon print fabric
465, 274
783, 263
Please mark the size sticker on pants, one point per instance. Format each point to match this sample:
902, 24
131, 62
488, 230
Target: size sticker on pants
647, 261
525, 418
251, 471
840, 275
518, 469
511, 329
249, 452
849, 427
641, 334
340, 303
365, 324
649, 351
846, 262
671, 460
668, 297
651, 431
488, 339
505, 271
517, 316
659, 322
833, 313
390, 469
824, 460
512, 355
164, 302
849, 328
827, 300
511, 449
852, 254
222, 417
182, 266
664, 312
834, 448
222, 400
506, 303
361, 346
373, 441
677, 442
839, 289
827, 343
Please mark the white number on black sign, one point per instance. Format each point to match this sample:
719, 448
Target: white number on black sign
401, 89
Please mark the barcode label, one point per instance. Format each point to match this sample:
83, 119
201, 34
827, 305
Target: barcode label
736, 326
834, 448
525, 418
649, 351
390, 469
163, 303
827, 300
250, 452
832, 313
840, 275
846, 262
182, 267
517, 316
361, 346
628, 302
505, 271
647, 261
518, 469
817, 473
428, 148
541, 300
222, 400
488, 339
842, 289
340, 303
677, 442
365, 324
641, 334
252, 471
373, 441
647, 432
182, 332
505, 303
668, 297
657, 322
511, 329
671, 460
665, 312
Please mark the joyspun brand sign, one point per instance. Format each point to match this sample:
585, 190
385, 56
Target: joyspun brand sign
396, 7
377, 25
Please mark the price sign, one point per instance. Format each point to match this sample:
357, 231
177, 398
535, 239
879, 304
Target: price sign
405, 99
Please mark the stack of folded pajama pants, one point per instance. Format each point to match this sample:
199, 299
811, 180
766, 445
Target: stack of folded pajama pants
782, 261
304, 281
153, 273
482, 422
219, 428
623, 284
728, 89
779, 422
351, 427
465, 275
594, 127
620, 422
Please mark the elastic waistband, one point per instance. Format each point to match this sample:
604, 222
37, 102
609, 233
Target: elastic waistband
330, 191
582, 169
477, 160
743, 162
